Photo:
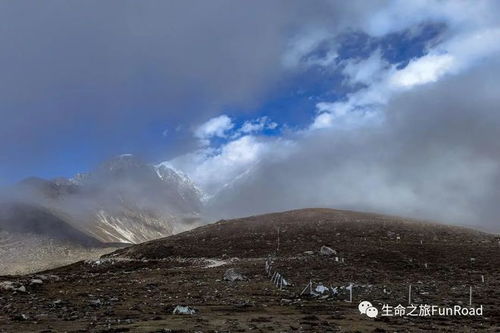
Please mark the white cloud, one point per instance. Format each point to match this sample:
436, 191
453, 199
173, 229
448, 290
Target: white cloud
257, 125
215, 127
372, 168
362, 106
212, 168
473, 47
399, 15
303, 45
215, 166
344, 115
365, 71
468, 42
423, 70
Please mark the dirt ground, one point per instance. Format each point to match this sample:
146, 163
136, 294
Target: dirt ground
136, 289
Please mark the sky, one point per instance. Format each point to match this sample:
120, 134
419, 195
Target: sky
386, 106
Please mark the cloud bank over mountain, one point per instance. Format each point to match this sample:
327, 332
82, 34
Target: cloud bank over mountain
387, 106
416, 138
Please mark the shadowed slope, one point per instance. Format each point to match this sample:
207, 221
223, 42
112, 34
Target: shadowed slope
32, 219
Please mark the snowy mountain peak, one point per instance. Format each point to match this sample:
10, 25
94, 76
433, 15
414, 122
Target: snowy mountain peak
124, 199
122, 163
168, 173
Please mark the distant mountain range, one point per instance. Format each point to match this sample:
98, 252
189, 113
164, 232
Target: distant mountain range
124, 200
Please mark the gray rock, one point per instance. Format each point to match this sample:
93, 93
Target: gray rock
95, 302
327, 251
232, 275
36, 282
7, 285
184, 310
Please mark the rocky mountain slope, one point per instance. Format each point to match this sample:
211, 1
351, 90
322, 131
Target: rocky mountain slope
122, 201
22, 218
226, 275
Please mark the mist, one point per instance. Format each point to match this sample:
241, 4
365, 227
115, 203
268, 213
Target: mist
387, 107
432, 157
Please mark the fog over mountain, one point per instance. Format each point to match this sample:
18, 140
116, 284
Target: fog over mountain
246, 107
123, 200
433, 156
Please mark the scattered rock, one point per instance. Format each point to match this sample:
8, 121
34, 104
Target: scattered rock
21, 317
244, 304
320, 289
7, 285
309, 252
36, 282
95, 302
184, 310
232, 275
327, 251
11, 286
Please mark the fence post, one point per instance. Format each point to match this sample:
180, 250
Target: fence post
278, 246
409, 295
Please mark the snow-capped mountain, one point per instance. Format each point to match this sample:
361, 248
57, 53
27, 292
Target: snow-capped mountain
185, 186
123, 200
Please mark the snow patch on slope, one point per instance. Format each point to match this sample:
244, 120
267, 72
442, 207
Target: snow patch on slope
168, 173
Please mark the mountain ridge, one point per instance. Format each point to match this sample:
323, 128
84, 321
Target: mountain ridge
122, 200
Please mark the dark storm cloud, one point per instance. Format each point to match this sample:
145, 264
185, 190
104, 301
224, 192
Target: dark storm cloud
95, 77
85, 79
100, 71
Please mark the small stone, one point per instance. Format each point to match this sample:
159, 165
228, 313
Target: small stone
36, 282
21, 317
7, 285
232, 275
321, 289
327, 251
95, 302
184, 310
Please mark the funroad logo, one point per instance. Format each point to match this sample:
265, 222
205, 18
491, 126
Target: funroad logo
368, 309
422, 310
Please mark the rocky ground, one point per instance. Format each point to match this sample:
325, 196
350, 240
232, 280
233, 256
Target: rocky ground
137, 289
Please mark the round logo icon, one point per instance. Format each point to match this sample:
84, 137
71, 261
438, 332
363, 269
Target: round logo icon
372, 312
363, 306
